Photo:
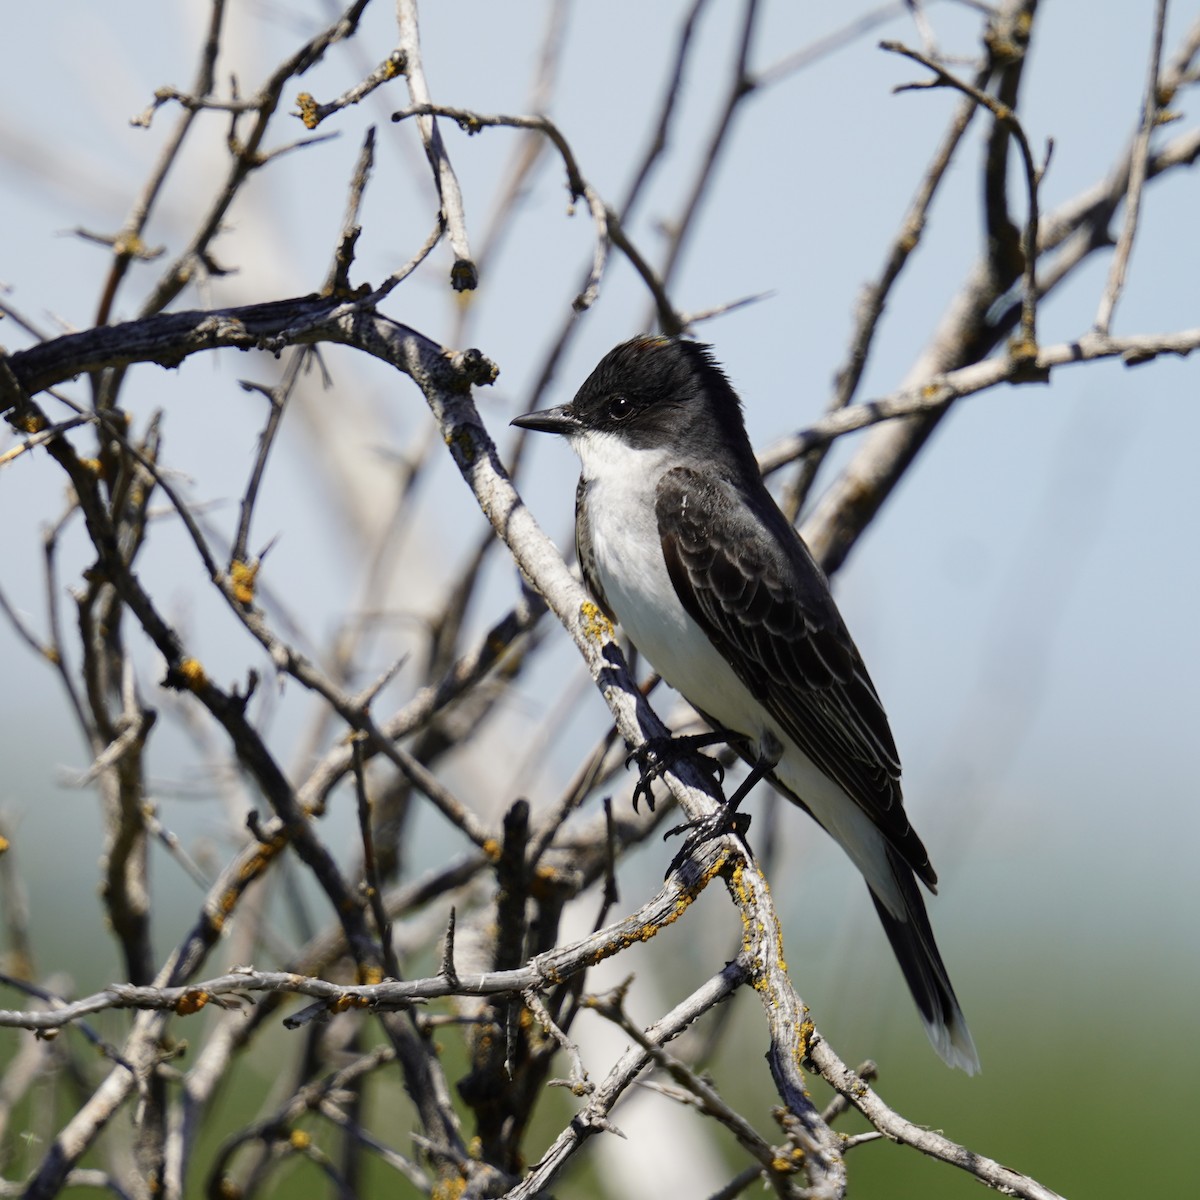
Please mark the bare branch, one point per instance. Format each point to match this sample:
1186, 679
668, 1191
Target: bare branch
1006, 116
540, 973
463, 274
312, 113
1137, 177
593, 1118
935, 393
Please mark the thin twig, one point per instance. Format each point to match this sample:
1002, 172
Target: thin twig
594, 1117
875, 296
337, 281
242, 566
464, 275
741, 84
1151, 104
543, 971
383, 924
312, 113
130, 241
605, 220
1006, 116
577, 1081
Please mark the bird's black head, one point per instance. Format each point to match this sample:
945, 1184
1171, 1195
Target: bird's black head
652, 393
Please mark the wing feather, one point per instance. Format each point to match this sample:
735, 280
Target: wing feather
754, 589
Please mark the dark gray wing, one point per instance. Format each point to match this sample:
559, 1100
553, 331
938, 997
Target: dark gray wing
750, 583
585, 552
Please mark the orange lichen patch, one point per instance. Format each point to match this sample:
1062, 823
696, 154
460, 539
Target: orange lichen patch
250, 871
788, 1164
192, 674
255, 866
448, 1189
370, 975
545, 883
309, 110
30, 423
625, 938
298, 1139
4, 844
1023, 349
192, 1001
242, 576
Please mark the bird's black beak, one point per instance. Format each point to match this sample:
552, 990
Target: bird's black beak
561, 420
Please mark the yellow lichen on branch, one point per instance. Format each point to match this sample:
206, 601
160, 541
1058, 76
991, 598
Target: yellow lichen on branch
596, 624
242, 578
192, 674
310, 112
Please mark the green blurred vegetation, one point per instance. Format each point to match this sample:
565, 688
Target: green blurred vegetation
1074, 1104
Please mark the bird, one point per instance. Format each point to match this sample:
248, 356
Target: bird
681, 543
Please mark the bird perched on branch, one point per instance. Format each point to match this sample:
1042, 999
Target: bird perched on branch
681, 543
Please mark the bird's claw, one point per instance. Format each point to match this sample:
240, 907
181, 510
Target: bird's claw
655, 756
706, 829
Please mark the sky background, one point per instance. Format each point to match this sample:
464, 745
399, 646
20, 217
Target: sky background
1026, 600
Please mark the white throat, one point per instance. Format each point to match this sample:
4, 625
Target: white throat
609, 461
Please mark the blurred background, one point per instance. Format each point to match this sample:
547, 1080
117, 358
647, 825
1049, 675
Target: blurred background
1026, 600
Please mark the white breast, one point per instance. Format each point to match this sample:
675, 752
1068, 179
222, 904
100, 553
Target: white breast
621, 496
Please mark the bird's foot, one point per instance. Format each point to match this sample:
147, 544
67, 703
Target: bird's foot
657, 755
726, 820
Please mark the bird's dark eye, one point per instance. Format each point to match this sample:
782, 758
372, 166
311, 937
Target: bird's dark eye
619, 407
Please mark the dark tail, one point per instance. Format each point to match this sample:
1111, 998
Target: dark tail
917, 953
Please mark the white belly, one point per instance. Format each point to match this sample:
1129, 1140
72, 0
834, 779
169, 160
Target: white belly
643, 599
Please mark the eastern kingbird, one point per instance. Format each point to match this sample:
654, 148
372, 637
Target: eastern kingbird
681, 543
